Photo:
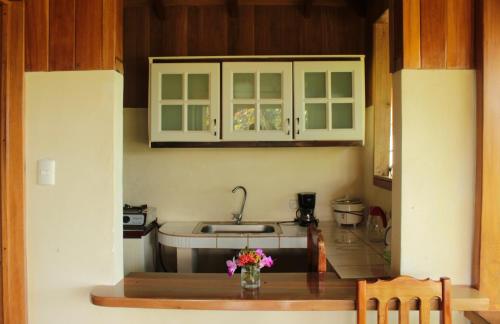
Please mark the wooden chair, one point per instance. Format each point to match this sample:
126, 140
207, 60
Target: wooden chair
405, 290
316, 252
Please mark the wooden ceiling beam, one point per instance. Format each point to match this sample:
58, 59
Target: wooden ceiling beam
233, 8
158, 7
307, 8
359, 6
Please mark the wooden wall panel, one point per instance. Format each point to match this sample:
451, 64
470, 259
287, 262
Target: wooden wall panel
218, 30
433, 33
74, 35
460, 31
136, 51
88, 35
62, 35
112, 34
207, 31
172, 38
412, 41
37, 35
241, 32
277, 30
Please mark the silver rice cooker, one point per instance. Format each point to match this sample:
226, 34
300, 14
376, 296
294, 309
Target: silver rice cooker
348, 211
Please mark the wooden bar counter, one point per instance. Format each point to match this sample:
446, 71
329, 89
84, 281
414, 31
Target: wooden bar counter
278, 292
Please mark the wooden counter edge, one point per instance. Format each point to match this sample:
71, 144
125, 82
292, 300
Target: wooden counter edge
464, 298
225, 304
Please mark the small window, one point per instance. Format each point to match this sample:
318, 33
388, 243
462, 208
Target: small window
383, 144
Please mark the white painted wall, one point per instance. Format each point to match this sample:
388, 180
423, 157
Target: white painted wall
196, 184
433, 186
74, 228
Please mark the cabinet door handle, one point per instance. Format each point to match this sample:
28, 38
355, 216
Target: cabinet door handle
288, 126
215, 127
298, 128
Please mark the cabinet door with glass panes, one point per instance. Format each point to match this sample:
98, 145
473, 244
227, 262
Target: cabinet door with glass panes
329, 100
184, 102
257, 101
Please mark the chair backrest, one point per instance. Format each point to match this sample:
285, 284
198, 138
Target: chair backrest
316, 252
405, 290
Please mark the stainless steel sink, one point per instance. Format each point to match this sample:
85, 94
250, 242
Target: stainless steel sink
243, 228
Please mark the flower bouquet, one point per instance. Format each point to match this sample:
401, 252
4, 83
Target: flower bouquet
250, 262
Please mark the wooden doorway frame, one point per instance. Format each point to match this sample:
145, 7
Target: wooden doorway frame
13, 303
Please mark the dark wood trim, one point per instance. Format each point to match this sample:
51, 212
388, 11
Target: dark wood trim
476, 257
382, 182
254, 59
12, 252
242, 144
323, 3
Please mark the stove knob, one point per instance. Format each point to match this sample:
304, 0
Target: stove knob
126, 219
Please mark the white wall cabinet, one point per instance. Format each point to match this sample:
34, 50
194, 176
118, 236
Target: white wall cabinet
262, 101
257, 101
329, 100
184, 102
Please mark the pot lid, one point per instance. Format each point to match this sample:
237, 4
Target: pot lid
348, 201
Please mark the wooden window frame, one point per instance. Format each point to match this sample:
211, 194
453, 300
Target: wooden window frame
381, 100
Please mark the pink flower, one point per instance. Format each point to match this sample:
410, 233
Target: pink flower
231, 267
260, 253
266, 262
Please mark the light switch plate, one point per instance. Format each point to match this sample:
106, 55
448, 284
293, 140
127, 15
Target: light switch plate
293, 204
46, 172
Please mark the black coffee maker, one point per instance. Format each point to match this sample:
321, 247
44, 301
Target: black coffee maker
305, 213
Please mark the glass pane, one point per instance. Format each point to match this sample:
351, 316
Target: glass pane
315, 84
316, 116
244, 85
271, 117
171, 86
198, 85
198, 118
171, 117
244, 117
341, 84
270, 85
342, 115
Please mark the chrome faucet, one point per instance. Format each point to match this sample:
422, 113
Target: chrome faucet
238, 216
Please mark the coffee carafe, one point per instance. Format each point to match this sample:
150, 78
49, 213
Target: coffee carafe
305, 213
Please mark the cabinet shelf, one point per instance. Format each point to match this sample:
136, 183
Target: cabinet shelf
247, 144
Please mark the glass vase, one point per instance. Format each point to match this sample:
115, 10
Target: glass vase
250, 277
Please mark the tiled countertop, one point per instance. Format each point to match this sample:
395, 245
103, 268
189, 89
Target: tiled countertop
351, 254
348, 250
